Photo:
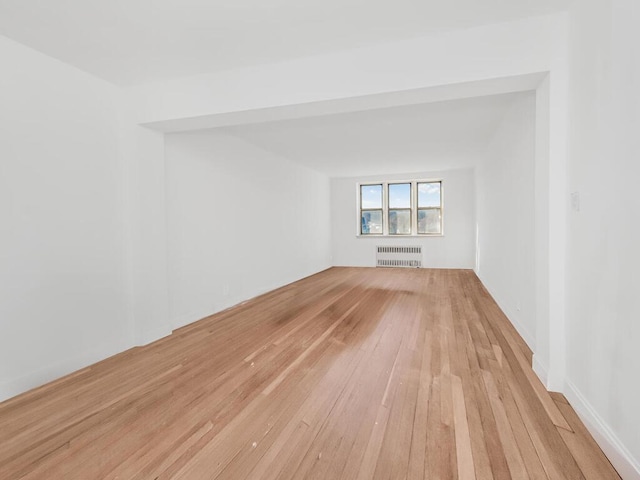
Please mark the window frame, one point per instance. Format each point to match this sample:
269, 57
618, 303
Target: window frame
410, 209
361, 210
414, 209
419, 209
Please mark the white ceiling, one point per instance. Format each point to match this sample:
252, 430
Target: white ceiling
137, 41
414, 138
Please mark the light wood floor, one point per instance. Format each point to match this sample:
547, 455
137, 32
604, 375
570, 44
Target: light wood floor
351, 373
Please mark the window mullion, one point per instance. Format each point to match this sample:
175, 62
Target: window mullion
385, 208
414, 208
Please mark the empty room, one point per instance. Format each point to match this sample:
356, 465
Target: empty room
332, 240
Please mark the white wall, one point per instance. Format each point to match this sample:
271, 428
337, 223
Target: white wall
63, 298
506, 217
144, 179
455, 249
241, 221
603, 258
542, 185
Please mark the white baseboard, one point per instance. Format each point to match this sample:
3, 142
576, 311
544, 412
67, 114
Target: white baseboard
225, 303
186, 319
529, 339
540, 370
150, 336
192, 317
53, 372
627, 466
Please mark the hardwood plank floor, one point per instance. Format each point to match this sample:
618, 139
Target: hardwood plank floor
352, 373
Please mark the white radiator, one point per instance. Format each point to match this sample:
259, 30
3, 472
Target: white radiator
408, 257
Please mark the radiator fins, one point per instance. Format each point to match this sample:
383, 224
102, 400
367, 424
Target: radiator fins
396, 256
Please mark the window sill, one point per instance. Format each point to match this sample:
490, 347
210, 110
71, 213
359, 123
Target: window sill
394, 237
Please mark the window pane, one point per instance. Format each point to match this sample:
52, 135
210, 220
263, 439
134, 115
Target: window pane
399, 222
371, 196
371, 222
429, 221
400, 195
429, 194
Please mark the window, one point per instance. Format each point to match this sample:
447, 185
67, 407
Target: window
429, 208
400, 208
371, 209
